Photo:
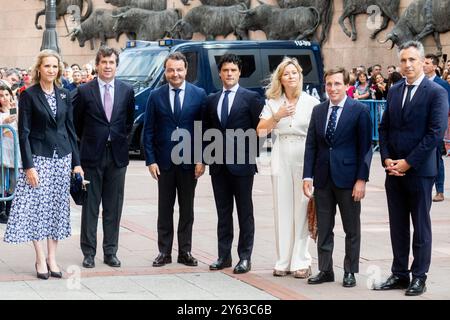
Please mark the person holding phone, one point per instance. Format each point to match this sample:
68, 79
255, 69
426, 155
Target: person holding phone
8, 116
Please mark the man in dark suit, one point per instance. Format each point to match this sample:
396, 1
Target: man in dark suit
103, 116
429, 68
173, 111
338, 154
412, 127
232, 111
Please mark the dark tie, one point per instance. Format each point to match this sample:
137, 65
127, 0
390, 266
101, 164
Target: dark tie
177, 104
408, 96
331, 127
224, 112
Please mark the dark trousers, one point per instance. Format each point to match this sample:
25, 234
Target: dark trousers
410, 197
326, 200
227, 188
106, 185
172, 183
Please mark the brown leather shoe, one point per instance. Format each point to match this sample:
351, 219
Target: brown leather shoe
438, 197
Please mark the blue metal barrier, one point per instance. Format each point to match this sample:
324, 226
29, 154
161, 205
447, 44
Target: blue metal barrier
376, 108
5, 170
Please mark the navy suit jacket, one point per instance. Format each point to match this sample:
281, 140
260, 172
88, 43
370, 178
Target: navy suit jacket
40, 132
93, 128
160, 123
349, 155
444, 84
244, 114
414, 133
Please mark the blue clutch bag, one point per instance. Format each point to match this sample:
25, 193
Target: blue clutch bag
78, 189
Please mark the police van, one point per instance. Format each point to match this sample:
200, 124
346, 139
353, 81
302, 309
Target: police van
142, 65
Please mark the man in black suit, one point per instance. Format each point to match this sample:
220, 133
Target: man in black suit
412, 128
232, 110
103, 117
338, 154
172, 111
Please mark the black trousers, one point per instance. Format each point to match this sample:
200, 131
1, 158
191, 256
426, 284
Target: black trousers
227, 188
410, 197
172, 183
326, 201
107, 183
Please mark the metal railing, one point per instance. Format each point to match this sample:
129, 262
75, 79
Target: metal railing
5, 167
376, 108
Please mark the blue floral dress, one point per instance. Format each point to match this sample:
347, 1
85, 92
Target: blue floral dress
43, 212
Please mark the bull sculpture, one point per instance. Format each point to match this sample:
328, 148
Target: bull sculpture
155, 5
211, 22
146, 24
325, 8
62, 6
420, 19
281, 24
98, 26
388, 8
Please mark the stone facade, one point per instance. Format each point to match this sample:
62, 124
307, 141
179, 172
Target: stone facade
21, 41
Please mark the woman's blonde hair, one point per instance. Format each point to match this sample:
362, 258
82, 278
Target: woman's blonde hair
36, 75
275, 88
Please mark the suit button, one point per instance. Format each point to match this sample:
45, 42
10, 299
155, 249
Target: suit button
331, 149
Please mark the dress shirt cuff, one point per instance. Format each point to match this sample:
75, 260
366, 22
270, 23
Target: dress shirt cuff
307, 179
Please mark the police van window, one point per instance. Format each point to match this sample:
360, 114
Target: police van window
251, 73
305, 62
248, 65
192, 59
271, 58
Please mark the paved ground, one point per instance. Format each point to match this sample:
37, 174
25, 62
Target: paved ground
137, 279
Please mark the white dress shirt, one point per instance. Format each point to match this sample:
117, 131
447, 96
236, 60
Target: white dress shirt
181, 94
413, 91
231, 97
339, 112
101, 86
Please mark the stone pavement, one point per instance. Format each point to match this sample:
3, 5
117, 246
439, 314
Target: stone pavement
137, 279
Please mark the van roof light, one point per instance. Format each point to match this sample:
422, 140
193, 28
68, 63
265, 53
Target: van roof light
166, 42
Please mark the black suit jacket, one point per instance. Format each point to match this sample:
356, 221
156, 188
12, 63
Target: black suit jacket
244, 114
39, 132
93, 128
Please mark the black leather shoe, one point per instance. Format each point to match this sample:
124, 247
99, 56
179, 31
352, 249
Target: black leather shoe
220, 264
3, 217
243, 266
393, 282
416, 288
88, 262
349, 280
187, 259
54, 274
43, 276
111, 260
322, 277
162, 259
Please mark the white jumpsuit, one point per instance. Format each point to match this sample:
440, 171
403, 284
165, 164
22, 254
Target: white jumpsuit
290, 204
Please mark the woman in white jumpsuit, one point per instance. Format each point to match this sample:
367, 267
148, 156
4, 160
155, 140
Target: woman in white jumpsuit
286, 114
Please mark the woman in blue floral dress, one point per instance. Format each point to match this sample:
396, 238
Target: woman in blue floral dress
41, 207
